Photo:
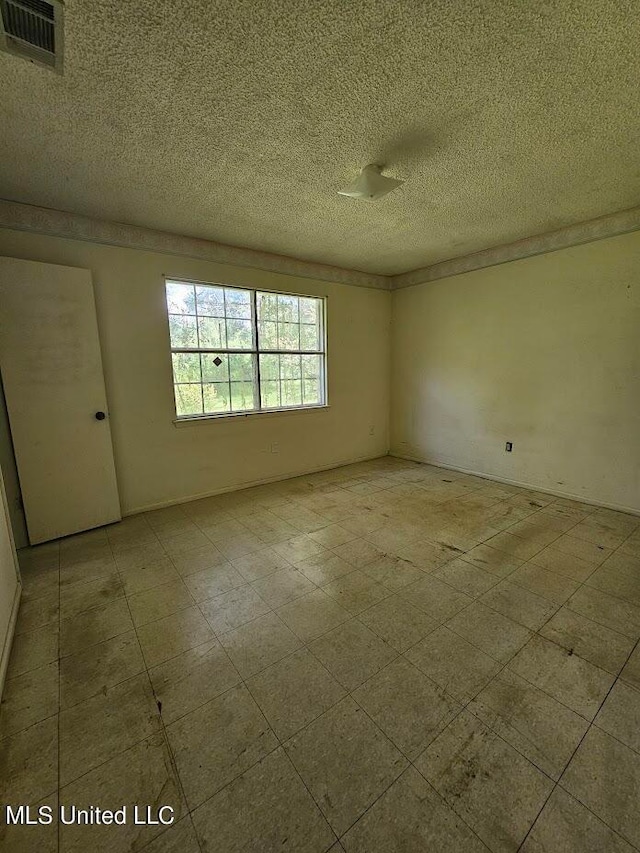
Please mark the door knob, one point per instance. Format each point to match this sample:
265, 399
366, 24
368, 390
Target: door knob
100, 416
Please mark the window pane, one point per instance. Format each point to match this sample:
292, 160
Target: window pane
210, 301
309, 337
290, 367
269, 367
212, 333
310, 392
288, 336
212, 372
186, 367
291, 390
238, 303
309, 311
241, 368
267, 306
270, 394
268, 335
242, 396
183, 332
310, 366
216, 397
188, 399
239, 334
180, 298
288, 311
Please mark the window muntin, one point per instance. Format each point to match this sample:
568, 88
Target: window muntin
236, 350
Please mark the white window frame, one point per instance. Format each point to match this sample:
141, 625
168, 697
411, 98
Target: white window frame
255, 351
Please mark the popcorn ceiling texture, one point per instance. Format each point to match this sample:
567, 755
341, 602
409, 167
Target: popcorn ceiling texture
238, 122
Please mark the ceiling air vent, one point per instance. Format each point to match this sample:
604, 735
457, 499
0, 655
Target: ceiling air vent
33, 29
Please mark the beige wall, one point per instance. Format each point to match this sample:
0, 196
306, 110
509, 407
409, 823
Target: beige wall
158, 463
544, 352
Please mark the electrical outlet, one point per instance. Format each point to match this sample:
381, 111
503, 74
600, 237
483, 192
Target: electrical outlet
372, 430
508, 447
275, 447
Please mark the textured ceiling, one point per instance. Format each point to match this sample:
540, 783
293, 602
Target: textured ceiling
239, 121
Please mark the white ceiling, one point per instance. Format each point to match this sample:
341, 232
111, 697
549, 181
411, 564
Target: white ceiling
239, 121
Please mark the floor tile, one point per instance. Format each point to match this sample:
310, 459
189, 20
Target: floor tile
141, 556
565, 565
465, 577
260, 564
538, 726
571, 680
333, 535
298, 548
454, 664
346, 762
393, 572
179, 838
29, 763
283, 586
491, 560
616, 578
324, 568
191, 679
356, 591
143, 774
486, 781
426, 555
166, 638
490, 631
33, 650
352, 653
312, 615
631, 670
217, 742
410, 817
294, 691
232, 609
94, 626
142, 578
566, 825
206, 584
99, 728
36, 612
358, 552
589, 551
546, 584
398, 622
77, 598
620, 715
409, 708
519, 604
436, 599
259, 643
607, 610
204, 556
604, 775
24, 838
99, 667
159, 602
29, 698
266, 810
518, 546
589, 640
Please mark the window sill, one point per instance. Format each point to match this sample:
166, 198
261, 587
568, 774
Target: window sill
179, 423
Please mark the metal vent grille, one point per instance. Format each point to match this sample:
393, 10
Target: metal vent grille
33, 29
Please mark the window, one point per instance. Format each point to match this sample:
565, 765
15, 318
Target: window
236, 350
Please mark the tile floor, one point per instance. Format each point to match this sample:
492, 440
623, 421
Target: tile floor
384, 657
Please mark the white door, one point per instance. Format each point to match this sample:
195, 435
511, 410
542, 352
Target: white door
54, 387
